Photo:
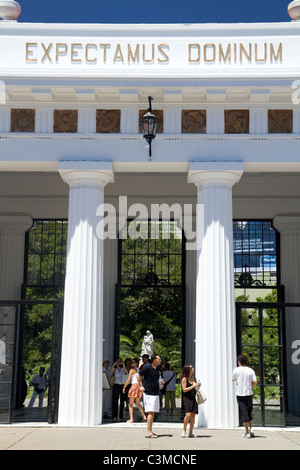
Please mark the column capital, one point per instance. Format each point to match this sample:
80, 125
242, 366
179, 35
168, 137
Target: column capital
287, 223
86, 173
15, 222
224, 174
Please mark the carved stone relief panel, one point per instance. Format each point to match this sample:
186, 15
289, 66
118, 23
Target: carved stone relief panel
280, 121
22, 120
108, 121
65, 120
193, 122
160, 120
236, 121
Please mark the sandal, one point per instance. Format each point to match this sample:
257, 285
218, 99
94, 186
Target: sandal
151, 436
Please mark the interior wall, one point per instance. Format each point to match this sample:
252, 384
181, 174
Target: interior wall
45, 195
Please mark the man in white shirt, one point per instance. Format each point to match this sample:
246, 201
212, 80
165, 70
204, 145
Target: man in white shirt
40, 385
245, 379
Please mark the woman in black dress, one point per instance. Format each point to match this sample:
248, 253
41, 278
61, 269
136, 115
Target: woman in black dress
189, 385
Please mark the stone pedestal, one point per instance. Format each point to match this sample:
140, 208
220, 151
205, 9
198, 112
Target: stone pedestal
9, 10
294, 10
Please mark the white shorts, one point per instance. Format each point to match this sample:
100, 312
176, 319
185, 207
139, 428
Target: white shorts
151, 403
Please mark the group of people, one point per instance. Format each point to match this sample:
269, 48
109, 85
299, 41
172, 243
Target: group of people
122, 381
245, 379
145, 382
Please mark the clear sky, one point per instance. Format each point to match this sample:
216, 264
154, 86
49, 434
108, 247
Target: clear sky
155, 11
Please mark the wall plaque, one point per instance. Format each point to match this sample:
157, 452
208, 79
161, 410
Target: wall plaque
22, 120
236, 121
193, 122
280, 121
65, 120
108, 121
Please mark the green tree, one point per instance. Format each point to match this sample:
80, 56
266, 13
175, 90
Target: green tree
159, 310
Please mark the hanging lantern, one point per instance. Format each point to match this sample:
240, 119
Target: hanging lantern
149, 125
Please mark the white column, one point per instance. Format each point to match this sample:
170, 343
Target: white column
289, 228
215, 335
80, 397
12, 245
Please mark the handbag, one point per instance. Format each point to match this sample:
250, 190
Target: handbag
164, 388
105, 382
200, 397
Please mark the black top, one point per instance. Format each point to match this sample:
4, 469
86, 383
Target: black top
189, 399
151, 380
191, 394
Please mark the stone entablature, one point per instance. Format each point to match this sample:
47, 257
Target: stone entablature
234, 89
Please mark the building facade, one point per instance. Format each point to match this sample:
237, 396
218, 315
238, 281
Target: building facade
227, 99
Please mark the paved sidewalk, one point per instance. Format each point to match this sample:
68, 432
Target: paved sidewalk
118, 437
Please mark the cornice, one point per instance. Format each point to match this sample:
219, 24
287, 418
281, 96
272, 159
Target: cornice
167, 95
115, 29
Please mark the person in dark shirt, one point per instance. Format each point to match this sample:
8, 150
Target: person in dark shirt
148, 379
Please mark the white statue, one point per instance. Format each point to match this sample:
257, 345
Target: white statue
147, 344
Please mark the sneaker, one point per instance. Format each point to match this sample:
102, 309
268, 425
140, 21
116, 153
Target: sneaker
247, 435
183, 434
251, 433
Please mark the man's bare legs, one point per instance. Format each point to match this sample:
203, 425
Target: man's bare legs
150, 419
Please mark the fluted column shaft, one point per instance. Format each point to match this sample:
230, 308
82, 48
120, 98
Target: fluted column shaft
81, 363
289, 228
12, 245
215, 335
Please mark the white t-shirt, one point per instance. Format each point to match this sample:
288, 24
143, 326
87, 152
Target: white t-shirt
244, 377
119, 375
38, 380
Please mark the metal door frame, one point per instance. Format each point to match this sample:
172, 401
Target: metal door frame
53, 395
260, 306
119, 286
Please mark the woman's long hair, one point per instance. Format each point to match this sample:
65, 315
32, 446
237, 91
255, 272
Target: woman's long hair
186, 371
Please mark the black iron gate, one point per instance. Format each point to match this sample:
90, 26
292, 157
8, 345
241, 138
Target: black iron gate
261, 337
11, 349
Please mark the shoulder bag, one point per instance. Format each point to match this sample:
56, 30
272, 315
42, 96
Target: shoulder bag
200, 397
